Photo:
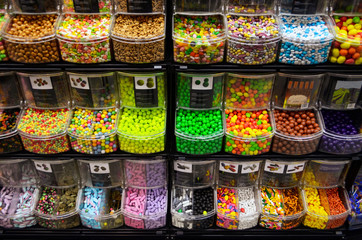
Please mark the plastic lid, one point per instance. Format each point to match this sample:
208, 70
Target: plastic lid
10, 94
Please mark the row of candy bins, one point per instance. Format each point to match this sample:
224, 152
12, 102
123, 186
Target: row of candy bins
142, 122
355, 196
193, 194
238, 199
3, 17
145, 197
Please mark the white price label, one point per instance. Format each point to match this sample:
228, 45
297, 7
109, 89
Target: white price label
145, 82
250, 167
229, 167
294, 168
99, 168
42, 83
80, 82
202, 83
43, 167
183, 167
274, 167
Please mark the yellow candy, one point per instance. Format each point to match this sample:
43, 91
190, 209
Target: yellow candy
350, 27
345, 45
333, 59
341, 59
358, 61
352, 32
335, 52
358, 26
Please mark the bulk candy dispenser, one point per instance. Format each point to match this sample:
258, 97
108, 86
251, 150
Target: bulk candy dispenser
281, 196
144, 202
298, 123
142, 121
43, 124
355, 196
326, 200
238, 203
137, 7
10, 112
3, 18
193, 194
18, 193
347, 45
92, 129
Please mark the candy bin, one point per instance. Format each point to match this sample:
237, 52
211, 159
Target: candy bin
84, 38
303, 7
306, 40
17, 173
282, 174
142, 90
153, 6
250, 6
18, 204
43, 131
133, 43
3, 19
193, 194
100, 208
248, 91
87, 6
57, 172
199, 132
355, 196
100, 173
248, 132
193, 43
199, 90
203, 6
341, 91
36, 44
39, 6
342, 131
57, 207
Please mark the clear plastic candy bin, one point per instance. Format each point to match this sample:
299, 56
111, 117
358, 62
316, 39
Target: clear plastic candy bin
194, 174
348, 7
87, 6
100, 208
45, 90
3, 19
145, 173
341, 91
236, 174
326, 208
251, 6
100, 172
281, 209
17, 173
237, 208
92, 45
303, 7
39, 6
199, 6
142, 90
56, 172
342, 131
323, 173
136, 7
199, 90
18, 206
57, 207
9, 138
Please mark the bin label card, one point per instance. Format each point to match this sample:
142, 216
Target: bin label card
299, 92
139, 6
330, 167
32, 6
346, 92
229, 167
43, 167
99, 168
294, 168
274, 167
80, 82
183, 167
201, 95
250, 167
145, 91
304, 6
42, 83
86, 6
43, 91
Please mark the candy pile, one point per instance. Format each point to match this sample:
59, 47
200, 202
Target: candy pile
316, 216
347, 48
8, 119
103, 5
93, 131
348, 129
199, 131
198, 39
142, 130
43, 131
239, 6
355, 197
148, 174
248, 132
85, 38
16, 207
306, 40
293, 129
3, 55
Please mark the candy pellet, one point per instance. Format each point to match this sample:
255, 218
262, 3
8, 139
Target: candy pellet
145, 174
316, 216
336, 207
8, 121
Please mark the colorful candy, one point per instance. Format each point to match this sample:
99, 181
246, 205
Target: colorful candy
9, 139
355, 197
145, 174
239, 6
101, 6
3, 54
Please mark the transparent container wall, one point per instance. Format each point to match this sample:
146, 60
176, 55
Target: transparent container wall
282, 174
146, 222
192, 223
61, 222
199, 146
139, 90
326, 173
11, 144
87, 6
326, 208
248, 91
10, 94
199, 90
294, 145
207, 6
94, 90
38, 6
57, 173
251, 6
145, 173
296, 91
349, 7
142, 145
305, 7
45, 90
9, 119
101, 173
198, 203
15, 172
194, 174
341, 91
355, 196
238, 173
3, 6
111, 221
52, 145
17, 207
148, 6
